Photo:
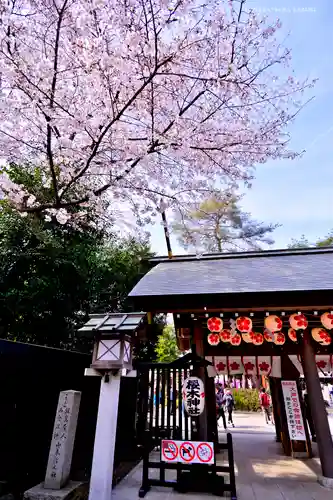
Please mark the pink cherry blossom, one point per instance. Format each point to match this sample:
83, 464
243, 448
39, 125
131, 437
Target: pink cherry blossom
135, 101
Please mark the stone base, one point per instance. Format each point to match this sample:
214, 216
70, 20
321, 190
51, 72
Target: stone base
327, 482
73, 491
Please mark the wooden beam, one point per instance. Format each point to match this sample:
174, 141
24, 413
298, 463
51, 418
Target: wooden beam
249, 309
265, 300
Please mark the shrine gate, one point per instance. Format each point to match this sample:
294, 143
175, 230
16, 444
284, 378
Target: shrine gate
253, 313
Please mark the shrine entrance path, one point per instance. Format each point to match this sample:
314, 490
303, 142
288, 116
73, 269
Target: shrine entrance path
262, 471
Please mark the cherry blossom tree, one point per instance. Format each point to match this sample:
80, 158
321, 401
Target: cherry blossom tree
138, 100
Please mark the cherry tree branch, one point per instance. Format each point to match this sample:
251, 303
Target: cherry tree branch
109, 125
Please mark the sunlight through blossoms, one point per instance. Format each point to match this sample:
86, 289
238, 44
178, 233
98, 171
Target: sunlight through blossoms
130, 101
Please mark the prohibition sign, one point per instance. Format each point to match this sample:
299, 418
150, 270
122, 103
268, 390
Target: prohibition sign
169, 450
187, 451
204, 452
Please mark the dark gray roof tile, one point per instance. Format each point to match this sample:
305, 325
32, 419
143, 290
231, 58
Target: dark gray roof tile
260, 272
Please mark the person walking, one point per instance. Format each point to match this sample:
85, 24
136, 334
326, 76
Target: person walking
229, 403
265, 403
219, 406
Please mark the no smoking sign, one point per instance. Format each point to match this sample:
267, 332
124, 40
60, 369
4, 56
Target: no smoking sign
169, 451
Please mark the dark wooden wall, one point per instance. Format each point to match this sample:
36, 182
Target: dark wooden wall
31, 378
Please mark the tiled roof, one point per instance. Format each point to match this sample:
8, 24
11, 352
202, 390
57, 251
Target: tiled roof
112, 323
269, 271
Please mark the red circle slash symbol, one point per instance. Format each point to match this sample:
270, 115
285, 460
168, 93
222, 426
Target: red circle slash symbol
204, 452
169, 450
187, 451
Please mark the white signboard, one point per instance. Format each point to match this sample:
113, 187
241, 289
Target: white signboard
194, 396
188, 452
293, 410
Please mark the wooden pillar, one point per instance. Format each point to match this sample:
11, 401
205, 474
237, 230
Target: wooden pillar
276, 407
317, 405
201, 373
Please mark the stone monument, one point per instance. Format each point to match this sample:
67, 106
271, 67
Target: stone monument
57, 484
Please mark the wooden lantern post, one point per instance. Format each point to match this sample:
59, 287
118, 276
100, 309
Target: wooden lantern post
112, 356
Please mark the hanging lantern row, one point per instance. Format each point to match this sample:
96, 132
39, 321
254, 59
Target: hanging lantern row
241, 330
273, 323
234, 338
256, 338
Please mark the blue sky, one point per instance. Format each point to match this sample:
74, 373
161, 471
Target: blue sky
297, 194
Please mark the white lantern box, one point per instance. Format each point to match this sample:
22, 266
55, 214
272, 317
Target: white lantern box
113, 335
112, 352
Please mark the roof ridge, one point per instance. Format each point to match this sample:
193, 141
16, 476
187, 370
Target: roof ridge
247, 254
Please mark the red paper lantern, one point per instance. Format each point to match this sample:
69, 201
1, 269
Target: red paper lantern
213, 338
214, 324
318, 334
244, 324
258, 339
225, 335
327, 320
327, 340
268, 335
292, 334
279, 339
273, 323
236, 339
247, 337
298, 322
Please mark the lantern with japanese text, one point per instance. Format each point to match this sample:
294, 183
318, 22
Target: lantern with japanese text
292, 334
225, 335
194, 396
214, 324
244, 324
280, 338
298, 321
327, 320
273, 323
213, 338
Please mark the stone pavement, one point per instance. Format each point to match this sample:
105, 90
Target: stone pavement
262, 471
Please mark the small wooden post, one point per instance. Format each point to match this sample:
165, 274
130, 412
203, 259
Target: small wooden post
317, 405
276, 409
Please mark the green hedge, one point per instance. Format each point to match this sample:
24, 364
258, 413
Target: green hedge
246, 399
